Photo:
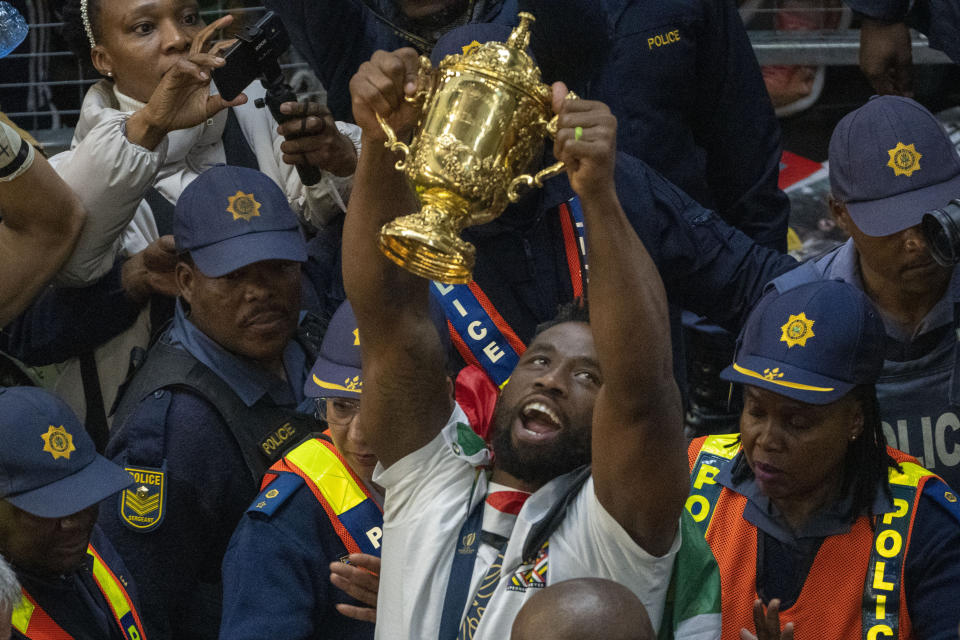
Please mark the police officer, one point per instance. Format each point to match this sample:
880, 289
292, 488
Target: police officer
805, 508
318, 505
219, 398
890, 162
52, 482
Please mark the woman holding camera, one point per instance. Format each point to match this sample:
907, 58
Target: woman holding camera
154, 122
816, 525
146, 131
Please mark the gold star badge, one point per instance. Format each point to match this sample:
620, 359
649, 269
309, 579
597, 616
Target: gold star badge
797, 330
58, 443
904, 159
243, 206
467, 48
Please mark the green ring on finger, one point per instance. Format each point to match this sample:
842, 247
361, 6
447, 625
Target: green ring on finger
577, 133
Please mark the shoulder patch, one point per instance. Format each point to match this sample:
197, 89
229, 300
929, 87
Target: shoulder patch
143, 504
944, 496
275, 494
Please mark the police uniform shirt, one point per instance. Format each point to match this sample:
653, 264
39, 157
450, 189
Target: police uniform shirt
74, 601
177, 565
247, 379
276, 573
931, 568
914, 390
684, 83
428, 496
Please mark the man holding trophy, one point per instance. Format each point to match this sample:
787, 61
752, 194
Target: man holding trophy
464, 546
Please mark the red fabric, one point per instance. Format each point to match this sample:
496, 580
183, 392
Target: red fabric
42, 626
477, 396
794, 168
508, 501
573, 253
462, 347
498, 320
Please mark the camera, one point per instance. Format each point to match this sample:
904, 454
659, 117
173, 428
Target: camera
256, 53
941, 229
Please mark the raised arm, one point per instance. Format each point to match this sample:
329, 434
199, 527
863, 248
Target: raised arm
886, 53
42, 219
405, 401
639, 465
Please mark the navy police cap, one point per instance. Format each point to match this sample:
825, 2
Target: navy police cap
336, 373
813, 343
49, 466
230, 217
891, 161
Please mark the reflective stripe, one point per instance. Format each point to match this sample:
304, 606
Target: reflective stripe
32, 621
328, 473
117, 597
723, 445
884, 583
355, 516
715, 452
880, 610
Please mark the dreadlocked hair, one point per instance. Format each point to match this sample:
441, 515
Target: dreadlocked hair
866, 464
577, 310
73, 32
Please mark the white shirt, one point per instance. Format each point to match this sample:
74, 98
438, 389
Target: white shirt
429, 494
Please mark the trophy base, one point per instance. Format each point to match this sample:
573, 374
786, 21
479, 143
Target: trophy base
417, 244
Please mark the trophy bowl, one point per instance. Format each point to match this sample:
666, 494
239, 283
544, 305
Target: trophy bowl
483, 120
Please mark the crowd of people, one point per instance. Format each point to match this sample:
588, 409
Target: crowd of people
263, 427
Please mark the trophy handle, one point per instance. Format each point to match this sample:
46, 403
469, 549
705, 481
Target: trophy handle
513, 191
424, 87
424, 81
393, 144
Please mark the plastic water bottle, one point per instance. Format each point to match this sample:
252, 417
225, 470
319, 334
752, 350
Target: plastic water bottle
13, 28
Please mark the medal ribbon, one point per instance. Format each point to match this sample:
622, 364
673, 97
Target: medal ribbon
479, 333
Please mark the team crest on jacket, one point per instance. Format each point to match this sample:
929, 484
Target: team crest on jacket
904, 159
243, 206
58, 442
797, 330
142, 505
533, 574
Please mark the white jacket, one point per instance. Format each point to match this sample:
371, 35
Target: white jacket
110, 174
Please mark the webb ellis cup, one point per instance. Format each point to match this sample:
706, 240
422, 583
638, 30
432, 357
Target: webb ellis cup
483, 121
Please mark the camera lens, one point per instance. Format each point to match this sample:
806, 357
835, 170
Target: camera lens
941, 229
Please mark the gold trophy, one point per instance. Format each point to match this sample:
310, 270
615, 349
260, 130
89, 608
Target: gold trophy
483, 121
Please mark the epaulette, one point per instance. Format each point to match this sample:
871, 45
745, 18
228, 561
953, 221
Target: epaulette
944, 496
275, 494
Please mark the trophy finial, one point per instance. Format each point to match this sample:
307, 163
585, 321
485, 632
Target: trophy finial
520, 36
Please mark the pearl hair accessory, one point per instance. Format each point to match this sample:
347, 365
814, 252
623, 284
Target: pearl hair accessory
85, 16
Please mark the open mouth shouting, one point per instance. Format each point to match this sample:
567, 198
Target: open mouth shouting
538, 421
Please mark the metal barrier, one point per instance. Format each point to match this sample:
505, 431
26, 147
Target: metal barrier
783, 32
38, 76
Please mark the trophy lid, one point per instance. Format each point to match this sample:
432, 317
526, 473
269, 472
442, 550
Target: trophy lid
507, 61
